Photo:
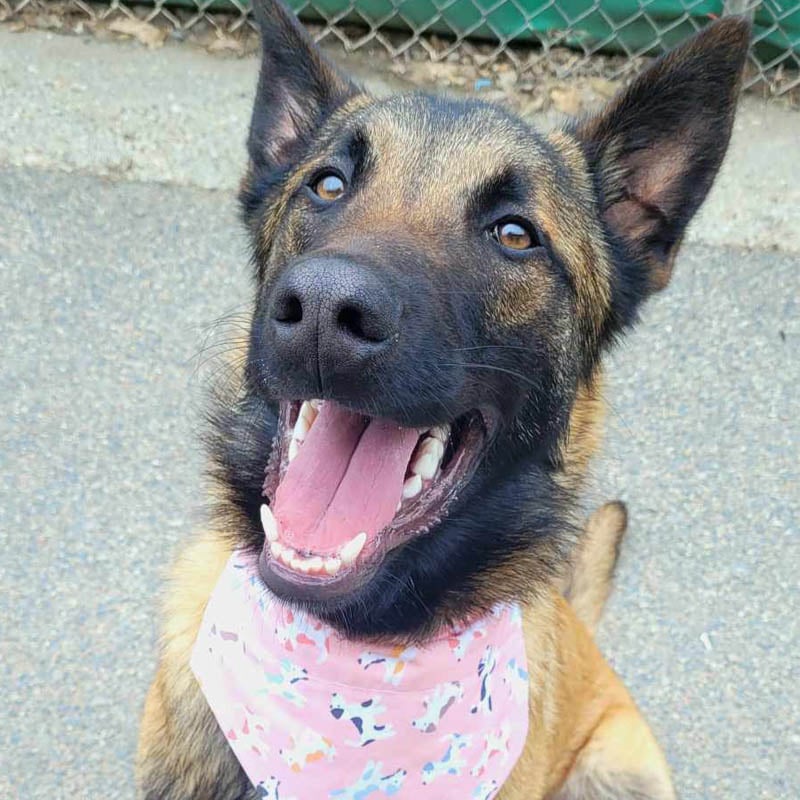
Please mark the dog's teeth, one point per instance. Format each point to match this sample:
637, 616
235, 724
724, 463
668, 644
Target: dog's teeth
301, 428
425, 467
276, 549
269, 523
332, 565
288, 555
300, 564
294, 448
412, 487
432, 446
315, 564
428, 459
440, 432
309, 410
305, 419
315, 404
349, 553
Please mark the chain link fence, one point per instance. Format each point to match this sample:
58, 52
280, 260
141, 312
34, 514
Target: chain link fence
568, 36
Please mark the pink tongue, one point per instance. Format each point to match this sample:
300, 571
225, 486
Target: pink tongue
347, 478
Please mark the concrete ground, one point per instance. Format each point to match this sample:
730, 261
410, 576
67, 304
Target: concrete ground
118, 247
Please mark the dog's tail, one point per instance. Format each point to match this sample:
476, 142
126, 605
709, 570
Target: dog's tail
589, 582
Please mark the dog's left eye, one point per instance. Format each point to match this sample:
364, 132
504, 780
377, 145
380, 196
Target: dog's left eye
328, 186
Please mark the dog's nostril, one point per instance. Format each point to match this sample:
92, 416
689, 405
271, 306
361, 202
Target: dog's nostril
351, 320
290, 309
361, 324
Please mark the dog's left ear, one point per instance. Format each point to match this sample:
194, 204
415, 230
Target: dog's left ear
297, 88
658, 146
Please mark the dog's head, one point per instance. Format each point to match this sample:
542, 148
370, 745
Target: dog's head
435, 284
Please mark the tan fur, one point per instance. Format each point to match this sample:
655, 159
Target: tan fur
175, 709
582, 719
519, 298
569, 216
588, 583
584, 432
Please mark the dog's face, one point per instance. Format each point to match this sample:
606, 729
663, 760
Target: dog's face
435, 285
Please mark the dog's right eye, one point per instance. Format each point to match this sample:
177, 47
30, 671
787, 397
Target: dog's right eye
328, 186
514, 234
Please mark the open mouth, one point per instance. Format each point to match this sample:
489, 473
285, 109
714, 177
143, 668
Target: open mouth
342, 490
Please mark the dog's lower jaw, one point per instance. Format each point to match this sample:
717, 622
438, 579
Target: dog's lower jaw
500, 540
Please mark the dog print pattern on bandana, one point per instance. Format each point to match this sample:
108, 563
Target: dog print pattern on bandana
311, 715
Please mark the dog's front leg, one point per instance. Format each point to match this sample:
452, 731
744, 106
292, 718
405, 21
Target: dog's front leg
182, 753
621, 760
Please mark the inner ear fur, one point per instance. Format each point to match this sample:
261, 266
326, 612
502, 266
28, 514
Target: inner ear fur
656, 149
297, 88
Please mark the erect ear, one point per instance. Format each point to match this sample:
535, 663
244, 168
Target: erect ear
297, 87
657, 147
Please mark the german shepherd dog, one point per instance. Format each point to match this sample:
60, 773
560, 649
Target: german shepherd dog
437, 263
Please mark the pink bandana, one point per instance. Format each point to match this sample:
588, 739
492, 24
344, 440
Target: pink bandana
312, 715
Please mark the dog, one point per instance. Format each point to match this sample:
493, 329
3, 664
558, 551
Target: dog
447, 281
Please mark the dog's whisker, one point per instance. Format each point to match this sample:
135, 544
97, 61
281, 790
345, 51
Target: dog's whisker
494, 368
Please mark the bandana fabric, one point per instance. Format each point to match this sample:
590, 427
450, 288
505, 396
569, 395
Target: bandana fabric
311, 715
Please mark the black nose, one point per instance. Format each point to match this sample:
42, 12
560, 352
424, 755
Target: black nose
332, 315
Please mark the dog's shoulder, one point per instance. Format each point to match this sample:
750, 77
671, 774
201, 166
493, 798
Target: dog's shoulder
177, 726
194, 574
587, 740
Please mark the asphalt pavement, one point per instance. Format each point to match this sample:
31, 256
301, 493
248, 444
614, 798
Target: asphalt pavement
109, 281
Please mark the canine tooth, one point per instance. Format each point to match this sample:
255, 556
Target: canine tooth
305, 419
269, 523
276, 548
332, 565
294, 448
425, 467
301, 428
428, 459
440, 433
412, 487
432, 446
349, 553
309, 410
315, 404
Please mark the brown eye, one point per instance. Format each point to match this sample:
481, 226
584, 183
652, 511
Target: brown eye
329, 186
513, 235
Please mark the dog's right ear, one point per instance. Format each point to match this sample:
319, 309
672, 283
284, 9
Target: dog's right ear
297, 88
